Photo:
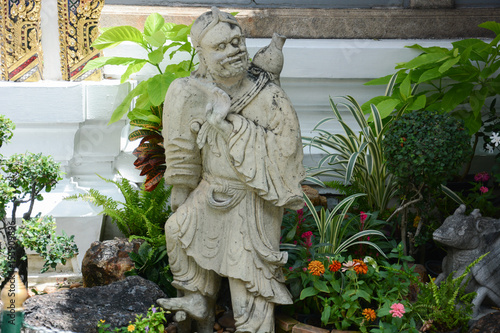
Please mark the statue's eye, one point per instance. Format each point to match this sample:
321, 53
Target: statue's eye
235, 41
221, 46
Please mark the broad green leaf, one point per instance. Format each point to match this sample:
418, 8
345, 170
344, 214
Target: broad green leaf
379, 81
448, 64
471, 120
168, 26
325, 315
489, 70
103, 61
469, 43
308, 292
131, 69
477, 100
363, 294
178, 33
124, 107
156, 56
424, 59
158, 86
491, 25
290, 234
116, 35
157, 39
153, 24
142, 102
432, 49
430, 75
143, 114
456, 95
418, 103
387, 107
405, 88
375, 101
464, 73
321, 286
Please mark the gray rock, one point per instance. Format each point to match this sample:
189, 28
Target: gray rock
487, 324
466, 239
80, 309
106, 262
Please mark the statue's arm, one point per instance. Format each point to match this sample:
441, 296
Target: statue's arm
182, 155
179, 195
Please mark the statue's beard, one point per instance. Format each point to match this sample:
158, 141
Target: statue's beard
233, 66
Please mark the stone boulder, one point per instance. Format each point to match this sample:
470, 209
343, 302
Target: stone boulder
80, 309
487, 324
106, 262
314, 196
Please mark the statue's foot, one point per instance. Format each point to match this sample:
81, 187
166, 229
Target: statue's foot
195, 305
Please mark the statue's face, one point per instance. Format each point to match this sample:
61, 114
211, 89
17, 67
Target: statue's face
224, 51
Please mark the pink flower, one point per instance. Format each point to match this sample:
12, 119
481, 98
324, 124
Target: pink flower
290, 268
348, 265
397, 310
300, 215
482, 177
483, 189
363, 216
308, 235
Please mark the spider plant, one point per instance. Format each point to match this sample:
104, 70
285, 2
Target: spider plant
332, 227
357, 158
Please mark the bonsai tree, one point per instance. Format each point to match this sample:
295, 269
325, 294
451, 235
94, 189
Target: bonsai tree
25, 177
423, 149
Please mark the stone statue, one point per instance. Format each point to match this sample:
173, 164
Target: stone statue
466, 239
234, 158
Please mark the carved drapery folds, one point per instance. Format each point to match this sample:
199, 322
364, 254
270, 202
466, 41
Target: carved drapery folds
20, 40
78, 28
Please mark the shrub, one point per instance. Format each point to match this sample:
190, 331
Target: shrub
425, 147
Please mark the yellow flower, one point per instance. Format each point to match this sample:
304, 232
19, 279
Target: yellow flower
416, 220
102, 321
131, 328
369, 314
316, 268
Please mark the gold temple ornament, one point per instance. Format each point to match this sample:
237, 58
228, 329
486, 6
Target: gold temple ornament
78, 28
20, 40
13, 296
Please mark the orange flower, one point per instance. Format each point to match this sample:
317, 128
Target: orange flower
334, 266
360, 267
316, 268
369, 314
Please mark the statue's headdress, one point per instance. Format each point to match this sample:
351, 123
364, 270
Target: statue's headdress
207, 21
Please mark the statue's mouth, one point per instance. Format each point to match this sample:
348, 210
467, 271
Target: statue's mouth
440, 239
234, 60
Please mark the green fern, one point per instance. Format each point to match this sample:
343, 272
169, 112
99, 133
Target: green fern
142, 214
447, 304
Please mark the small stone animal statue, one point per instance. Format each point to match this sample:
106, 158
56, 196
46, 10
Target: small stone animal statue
466, 239
270, 58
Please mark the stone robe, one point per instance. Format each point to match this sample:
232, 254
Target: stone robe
230, 223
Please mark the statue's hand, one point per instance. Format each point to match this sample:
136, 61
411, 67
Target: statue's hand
179, 196
217, 110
